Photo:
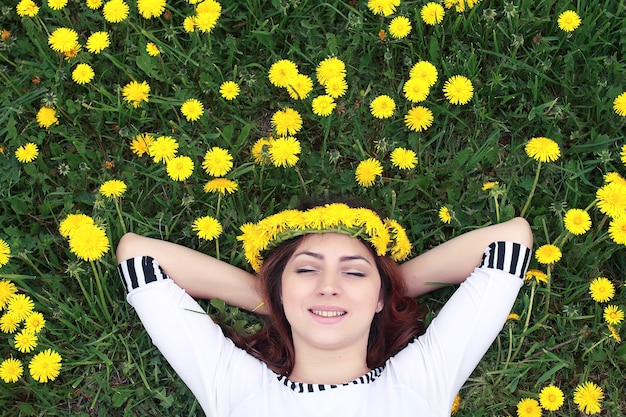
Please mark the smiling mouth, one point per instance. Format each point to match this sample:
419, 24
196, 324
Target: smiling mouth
323, 313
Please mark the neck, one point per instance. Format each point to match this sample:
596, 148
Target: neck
328, 367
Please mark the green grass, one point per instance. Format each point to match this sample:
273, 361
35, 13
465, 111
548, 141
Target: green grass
530, 78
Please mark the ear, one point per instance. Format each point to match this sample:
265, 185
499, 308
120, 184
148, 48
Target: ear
380, 305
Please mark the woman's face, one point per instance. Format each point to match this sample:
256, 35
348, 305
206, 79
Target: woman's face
331, 290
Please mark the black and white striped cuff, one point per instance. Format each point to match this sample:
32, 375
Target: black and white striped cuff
510, 257
139, 271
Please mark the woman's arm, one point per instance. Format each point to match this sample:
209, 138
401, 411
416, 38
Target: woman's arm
453, 261
200, 275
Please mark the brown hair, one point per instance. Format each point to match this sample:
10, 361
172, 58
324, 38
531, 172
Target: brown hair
391, 330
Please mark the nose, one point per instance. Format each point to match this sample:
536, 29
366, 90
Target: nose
329, 283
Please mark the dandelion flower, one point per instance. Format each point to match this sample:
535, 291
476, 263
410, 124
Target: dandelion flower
163, 149
229, 90
207, 14
284, 151
577, 221
587, 396
367, 171
57, 4
135, 92
323, 105
82, 74
217, 162
282, 72
220, 185
400, 27
329, 68
179, 168
444, 215
569, 21
27, 8
512, 316
5, 251
115, 11
113, 188
261, 151
89, 242
152, 49
416, 89
548, 254
432, 13
73, 222
97, 42
542, 149
612, 199
20, 306
141, 143
46, 117
300, 87
7, 290
63, 40
551, 398
192, 109
424, 70
150, 8
189, 24
419, 118
489, 185
25, 341
207, 227
601, 290
27, 153
383, 7
8, 323
403, 158
619, 105
537, 275
336, 87
528, 407
382, 107
11, 370
615, 334
458, 89
456, 404
94, 4
34, 322
610, 177
286, 122
45, 366
617, 229
613, 314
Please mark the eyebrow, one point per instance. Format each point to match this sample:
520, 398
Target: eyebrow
342, 259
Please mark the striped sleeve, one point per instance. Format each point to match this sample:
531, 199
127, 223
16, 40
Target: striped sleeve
139, 271
510, 257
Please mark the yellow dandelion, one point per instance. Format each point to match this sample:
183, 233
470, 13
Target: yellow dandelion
336, 87
163, 149
46, 117
400, 27
367, 171
577, 221
569, 21
27, 153
329, 68
57, 4
612, 199
20, 306
189, 24
601, 290
458, 89
7, 290
615, 334
489, 185
619, 105
179, 168
528, 407
27, 8
141, 143
207, 228
82, 74
135, 92
192, 109
456, 404
73, 222
97, 42
617, 229
229, 90
548, 254
513, 316
383, 7
8, 323
220, 185
34, 322
150, 8
403, 158
113, 188
89, 242
425, 71
416, 89
217, 162
286, 122
25, 341
115, 11
323, 105
63, 40
284, 151
537, 275
551, 398
300, 87
5, 251
588, 396
613, 314
444, 215
432, 13
261, 151
282, 72
543, 149
152, 49
45, 366
419, 118
382, 107
94, 4
11, 370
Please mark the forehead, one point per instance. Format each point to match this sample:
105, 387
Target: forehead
336, 244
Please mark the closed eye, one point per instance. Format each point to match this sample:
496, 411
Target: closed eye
355, 274
304, 270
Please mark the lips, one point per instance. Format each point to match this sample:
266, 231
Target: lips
326, 313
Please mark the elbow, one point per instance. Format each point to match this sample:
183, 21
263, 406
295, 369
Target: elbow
522, 232
126, 247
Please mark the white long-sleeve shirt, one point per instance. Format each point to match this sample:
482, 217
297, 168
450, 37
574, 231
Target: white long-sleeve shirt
421, 380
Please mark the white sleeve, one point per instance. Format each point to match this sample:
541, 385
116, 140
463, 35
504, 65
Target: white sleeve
439, 362
215, 370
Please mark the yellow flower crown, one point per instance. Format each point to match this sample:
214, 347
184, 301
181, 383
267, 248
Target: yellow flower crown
386, 236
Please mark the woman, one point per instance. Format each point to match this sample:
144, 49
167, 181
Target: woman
342, 319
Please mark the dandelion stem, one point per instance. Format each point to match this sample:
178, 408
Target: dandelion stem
532, 191
302, 181
103, 302
548, 288
119, 213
